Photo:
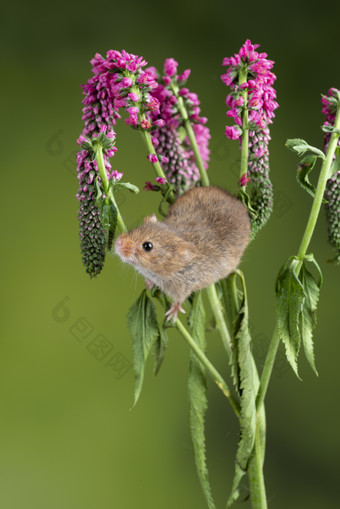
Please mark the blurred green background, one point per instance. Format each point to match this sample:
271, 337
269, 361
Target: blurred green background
67, 437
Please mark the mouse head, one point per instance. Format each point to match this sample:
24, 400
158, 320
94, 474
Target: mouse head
153, 247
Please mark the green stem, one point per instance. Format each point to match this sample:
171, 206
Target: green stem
151, 150
267, 369
191, 136
106, 187
320, 190
255, 475
245, 136
216, 377
216, 308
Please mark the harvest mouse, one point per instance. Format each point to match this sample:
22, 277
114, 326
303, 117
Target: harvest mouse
200, 241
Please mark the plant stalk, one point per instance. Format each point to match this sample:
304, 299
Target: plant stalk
307, 236
245, 135
255, 475
106, 187
151, 150
214, 374
217, 310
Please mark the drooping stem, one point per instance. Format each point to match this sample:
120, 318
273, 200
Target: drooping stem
214, 374
245, 135
105, 184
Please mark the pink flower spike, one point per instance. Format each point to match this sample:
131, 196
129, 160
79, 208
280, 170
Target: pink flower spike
164, 159
244, 180
134, 97
160, 180
153, 158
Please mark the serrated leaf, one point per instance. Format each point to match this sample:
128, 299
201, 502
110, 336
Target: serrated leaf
143, 327
197, 389
308, 318
289, 303
160, 346
248, 389
301, 147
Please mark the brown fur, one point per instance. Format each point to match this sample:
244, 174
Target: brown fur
200, 241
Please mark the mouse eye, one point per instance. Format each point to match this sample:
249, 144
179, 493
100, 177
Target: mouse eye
147, 246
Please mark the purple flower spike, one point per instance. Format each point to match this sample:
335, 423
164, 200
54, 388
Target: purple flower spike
261, 103
178, 158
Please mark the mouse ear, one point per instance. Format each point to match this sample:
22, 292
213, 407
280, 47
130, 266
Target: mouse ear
150, 219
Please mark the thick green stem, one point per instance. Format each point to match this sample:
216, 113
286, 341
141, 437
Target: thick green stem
106, 187
255, 475
245, 135
217, 310
214, 374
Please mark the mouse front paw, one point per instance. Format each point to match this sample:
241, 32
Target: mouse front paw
173, 311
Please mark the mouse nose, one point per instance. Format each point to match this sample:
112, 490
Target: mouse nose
119, 242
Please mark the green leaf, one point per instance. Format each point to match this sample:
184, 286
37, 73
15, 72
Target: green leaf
125, 185
308, 318
330, 129
143, 327
197, 389
99, 194
301, 147
245, 198
289, 304
160, 346
305, 167
248, 388
108, 219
